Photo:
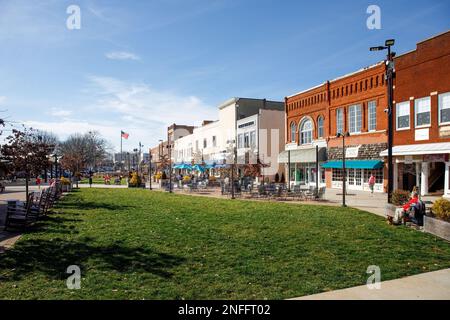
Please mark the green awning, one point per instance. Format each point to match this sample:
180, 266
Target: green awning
354, 164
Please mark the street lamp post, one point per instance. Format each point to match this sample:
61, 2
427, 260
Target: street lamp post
344, 173
169, 147
150, 170
390, 74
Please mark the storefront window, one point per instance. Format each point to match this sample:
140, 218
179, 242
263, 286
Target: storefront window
253, 139
423, 110
339, 120
444, 108
403, 115
378, 174
337, 174
372, 112
320, 127
293, 131
354, 119
306, 132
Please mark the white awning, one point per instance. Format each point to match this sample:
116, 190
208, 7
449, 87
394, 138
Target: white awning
419, 149
302, 155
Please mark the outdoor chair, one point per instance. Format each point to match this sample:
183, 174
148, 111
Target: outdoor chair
296, 193
19, 216
193, 187
321, 193
311, 193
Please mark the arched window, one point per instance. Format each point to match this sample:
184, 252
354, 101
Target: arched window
320, 127
306, 129
293, 131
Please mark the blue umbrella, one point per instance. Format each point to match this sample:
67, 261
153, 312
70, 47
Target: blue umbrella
183, 166
210, 166
198, 167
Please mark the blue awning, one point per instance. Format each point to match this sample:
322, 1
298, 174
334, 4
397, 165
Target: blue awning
354, 164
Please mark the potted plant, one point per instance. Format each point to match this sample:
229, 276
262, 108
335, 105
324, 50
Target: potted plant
65, 184
438, 221
399, 198
135, 181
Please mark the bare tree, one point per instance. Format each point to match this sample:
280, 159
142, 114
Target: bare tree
82, 151
25, 151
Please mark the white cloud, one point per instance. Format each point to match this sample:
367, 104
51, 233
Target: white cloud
2, 99
63, 113
122, 55
142, 104
137, 108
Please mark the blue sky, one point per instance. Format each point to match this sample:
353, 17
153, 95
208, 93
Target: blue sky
141, 65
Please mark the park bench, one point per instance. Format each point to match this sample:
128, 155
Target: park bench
18, 216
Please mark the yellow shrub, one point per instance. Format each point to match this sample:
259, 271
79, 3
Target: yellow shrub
65, 181
441, 209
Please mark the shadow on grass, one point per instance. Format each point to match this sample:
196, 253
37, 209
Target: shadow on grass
52, 257
90, 205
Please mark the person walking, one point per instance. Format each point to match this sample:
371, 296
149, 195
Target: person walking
371, 182
38, 182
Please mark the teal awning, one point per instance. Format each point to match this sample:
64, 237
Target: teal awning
354, 164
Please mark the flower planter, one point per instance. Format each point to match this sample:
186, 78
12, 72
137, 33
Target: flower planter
437, 227
389, 210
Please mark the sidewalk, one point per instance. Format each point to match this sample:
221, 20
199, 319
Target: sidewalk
426, 286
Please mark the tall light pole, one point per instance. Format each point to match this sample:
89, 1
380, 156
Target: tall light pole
169, 147
344, 173
390, 74
150, 170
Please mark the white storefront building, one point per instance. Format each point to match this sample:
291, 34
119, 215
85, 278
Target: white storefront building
211, 142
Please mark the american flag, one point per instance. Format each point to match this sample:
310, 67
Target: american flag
124, 135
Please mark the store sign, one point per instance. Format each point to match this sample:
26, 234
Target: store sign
435, 157
291, 146
444, 132
422, 134
408, 159
352, 152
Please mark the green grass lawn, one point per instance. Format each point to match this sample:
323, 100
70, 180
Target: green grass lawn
137, 244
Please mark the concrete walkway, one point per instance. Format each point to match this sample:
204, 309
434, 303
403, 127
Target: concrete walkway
426, 286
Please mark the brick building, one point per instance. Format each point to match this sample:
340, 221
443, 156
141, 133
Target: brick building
422, 117
357, 105
353, 103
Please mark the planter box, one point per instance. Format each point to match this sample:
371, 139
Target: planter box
437, 227
389, 210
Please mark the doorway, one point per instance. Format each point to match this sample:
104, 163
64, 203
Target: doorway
409, 176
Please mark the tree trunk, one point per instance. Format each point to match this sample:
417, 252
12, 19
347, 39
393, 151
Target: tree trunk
27, 179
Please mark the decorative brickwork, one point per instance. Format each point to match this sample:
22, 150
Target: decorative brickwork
366, 151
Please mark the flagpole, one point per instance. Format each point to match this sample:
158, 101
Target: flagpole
121, 153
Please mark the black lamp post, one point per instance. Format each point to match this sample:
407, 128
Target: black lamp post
150, 170
169, 147
390, 74
344, 173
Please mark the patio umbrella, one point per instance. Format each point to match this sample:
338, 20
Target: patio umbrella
211, 166
185, 166
198, 167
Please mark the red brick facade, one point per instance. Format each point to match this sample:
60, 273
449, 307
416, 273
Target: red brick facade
359, 88
424, 72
